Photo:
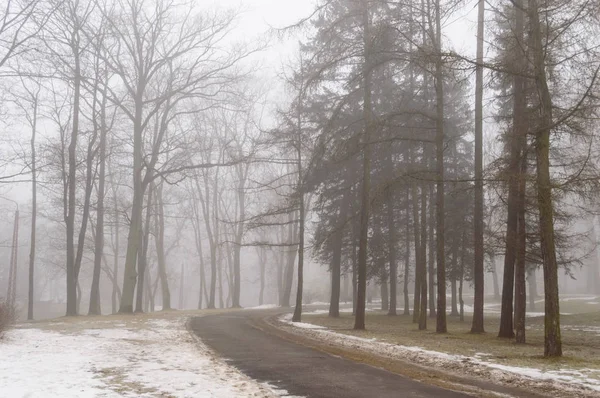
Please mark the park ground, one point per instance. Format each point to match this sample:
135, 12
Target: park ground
157, 355
485, 356
118, 356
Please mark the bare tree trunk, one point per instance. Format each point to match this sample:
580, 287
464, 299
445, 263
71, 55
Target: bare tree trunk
288, 276
143, 254
95, 307
11, 295
213, 275
130, 276
159, 237
148, 304
462, 277
86, 213
78, 291
354, 270
478, 273
280, 268
115, 288
198, 242
241, 196
407, 258
220, 275
594, 275
212, 234
182, 288
72, 175
30, 296
262, 258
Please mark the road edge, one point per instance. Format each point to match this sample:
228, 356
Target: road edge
270, 324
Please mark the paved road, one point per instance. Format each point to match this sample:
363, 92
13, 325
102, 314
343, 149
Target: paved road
301, 370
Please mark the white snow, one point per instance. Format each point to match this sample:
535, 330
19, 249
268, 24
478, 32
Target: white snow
263, 307
288, 319
479, 364
583, 298
152, 358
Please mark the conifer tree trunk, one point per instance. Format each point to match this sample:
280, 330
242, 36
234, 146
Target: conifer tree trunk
552, 337
392, 256
495, 276
520, 126
439, 145
532, 282
407, 257
385, 295
359, 321
417, 240
512, 224
423, 259
431, 260
478, 279
336, 261
297, 317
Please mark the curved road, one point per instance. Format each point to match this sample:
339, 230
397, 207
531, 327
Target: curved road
298, 369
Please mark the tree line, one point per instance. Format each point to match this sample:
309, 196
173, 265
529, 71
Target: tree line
147, 120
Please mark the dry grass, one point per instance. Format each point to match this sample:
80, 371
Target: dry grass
73, 325
581, 338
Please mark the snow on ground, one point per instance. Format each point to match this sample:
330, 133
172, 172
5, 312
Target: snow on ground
262, 307
288, 318
574, 381
104, 358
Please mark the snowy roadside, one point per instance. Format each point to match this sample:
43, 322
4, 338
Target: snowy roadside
566, 382
117, 357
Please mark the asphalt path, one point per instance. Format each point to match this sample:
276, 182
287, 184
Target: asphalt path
300, 370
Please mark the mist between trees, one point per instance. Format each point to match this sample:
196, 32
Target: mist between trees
148, 155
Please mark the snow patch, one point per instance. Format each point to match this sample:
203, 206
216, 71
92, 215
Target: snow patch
263, 307
479, 364
158, 358
287, 318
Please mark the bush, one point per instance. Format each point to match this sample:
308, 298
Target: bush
7, 316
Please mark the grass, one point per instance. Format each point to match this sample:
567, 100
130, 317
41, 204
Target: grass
75, 324
580, 335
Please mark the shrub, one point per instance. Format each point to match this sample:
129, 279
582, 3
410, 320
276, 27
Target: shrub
7, 315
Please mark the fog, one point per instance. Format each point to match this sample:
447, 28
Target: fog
436, 160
